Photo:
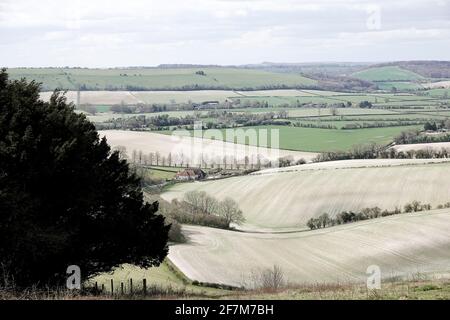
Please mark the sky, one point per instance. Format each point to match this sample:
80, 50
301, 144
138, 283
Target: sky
100, 33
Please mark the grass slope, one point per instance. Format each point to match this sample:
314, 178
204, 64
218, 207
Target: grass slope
159, 78
401, 245
163, 279
322, 140
392, 73
278, 200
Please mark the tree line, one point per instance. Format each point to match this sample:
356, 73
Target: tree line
375, 151
199, 208
324, 220
415, 136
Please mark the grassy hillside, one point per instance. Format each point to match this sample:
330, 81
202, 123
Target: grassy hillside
161, 79
165, 280
322, 140
402, 246
288, 199
400, 86
390, 73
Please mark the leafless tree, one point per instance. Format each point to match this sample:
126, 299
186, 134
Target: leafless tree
229, 210
122, 152
201, 202
269, 279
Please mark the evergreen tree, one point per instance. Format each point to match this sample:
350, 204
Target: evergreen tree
65, 197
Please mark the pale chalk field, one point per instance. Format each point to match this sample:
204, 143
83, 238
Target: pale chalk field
401, 245
439, 84
347, 164
192, 150
423, 146
289, 199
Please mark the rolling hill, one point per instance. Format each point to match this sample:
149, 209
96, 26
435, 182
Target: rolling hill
388, 73
405, 245
161, 78
188, 150
285, 200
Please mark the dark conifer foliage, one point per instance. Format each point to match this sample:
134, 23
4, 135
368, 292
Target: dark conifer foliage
65, 197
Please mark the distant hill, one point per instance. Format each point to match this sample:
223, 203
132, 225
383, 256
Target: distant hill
164, 78
338, 76
387, 73
428, 69
405, 70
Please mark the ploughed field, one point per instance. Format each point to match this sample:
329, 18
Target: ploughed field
191, 151
403, 245
287, 199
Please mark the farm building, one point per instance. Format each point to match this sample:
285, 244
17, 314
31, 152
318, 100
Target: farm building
190, 174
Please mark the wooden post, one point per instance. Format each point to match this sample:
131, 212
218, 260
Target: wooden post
121, 288
112, 286
144, 286
103, 287
96, 286
131, 285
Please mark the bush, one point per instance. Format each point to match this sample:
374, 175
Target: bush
175, 233
416, 206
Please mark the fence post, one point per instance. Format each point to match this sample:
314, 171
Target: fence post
144, 286
112, 287
121, 288
103, 288
131, 285
96, 286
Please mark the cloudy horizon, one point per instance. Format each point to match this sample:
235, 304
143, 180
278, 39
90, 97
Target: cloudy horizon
221, 32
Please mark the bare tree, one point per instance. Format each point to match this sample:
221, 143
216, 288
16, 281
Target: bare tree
229, 210
334, 111
169, 159
193, 200
200, 202
269, 279
122, 150
150, 158
134, 156
209, 204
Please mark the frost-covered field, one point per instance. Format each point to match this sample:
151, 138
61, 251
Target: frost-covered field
401, 245
288, 199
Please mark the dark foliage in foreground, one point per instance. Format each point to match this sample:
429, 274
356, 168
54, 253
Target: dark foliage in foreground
65, 198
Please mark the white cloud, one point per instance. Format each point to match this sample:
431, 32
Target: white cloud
149, 32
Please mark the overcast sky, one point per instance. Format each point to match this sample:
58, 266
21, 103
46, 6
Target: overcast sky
101, 33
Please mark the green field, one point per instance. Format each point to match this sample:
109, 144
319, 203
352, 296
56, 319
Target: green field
392, 73
163, 173
319, 140
159, 78
399, 85
322, 140
439, 93
174, 99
